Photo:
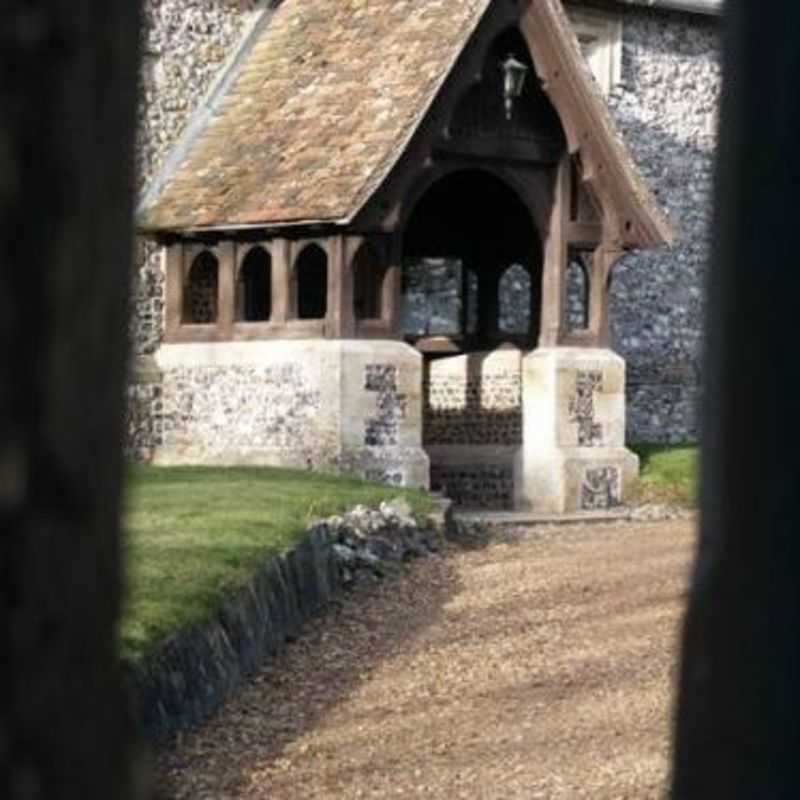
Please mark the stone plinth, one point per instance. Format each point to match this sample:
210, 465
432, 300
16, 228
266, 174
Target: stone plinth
573, 456
351, 406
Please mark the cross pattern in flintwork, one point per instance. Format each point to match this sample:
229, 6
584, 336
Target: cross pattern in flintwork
384, 428
600, 489
581, 408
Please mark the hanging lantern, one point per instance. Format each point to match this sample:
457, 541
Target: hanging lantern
514, 74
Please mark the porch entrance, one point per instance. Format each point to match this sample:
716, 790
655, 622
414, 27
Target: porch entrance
472, 278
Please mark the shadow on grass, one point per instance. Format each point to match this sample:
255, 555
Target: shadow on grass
194, 534
295, 692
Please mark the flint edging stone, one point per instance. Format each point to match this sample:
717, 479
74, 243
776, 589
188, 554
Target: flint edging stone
189, 676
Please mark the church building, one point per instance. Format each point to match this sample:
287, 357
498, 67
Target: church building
389, 237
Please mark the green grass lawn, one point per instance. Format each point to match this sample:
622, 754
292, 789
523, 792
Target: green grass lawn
669, 474
194, 534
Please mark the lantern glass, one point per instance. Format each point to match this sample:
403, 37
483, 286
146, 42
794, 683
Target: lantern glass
514, 74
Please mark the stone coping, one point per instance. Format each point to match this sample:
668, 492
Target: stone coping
524, 518
646, 513
225, 354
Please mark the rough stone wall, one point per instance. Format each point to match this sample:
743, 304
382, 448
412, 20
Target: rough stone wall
472, 407
432, 298
353, 406
514, 293
472, 426
476, 486
666, 110
245, 413
185, 43
144, 420
473, 400
577, 297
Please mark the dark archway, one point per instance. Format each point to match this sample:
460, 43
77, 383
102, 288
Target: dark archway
311, 283
254, 289
464, 233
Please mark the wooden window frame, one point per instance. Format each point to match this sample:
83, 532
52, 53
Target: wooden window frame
600, 37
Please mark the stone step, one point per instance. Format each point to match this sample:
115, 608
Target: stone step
643, 513
525, 518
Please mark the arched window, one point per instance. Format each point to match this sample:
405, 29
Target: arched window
200, 290
311, 283
577, 305
368, 277
254, 287
451, 269
515, 300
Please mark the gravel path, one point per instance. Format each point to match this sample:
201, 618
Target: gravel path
539, 665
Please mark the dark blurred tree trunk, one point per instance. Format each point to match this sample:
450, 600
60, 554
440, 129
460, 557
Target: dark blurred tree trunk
67, 114
738, 731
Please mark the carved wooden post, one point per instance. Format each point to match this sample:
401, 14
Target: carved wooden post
241, 253
226, 296
555, 257
603, 261
392, 285
341, 317
281, 281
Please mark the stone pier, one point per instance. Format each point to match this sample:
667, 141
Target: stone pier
573, 456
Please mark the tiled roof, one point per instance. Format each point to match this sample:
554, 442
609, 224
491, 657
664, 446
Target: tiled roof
324, 95
314, 113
